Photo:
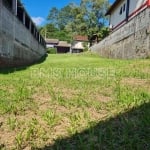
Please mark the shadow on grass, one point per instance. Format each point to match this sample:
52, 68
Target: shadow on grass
127, 131
8, 70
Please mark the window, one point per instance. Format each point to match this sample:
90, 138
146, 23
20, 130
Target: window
20, 13
32, 28
27, 22
120, 11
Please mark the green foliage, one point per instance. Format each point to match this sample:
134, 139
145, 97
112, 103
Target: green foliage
85, 45
51, 118
88, 18
50, 31
51, 50
53, 16
103, 33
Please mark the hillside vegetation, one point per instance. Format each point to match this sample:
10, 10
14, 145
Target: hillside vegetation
76, 102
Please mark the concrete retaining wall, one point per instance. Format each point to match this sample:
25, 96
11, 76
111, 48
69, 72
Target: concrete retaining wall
17, 45
130, 41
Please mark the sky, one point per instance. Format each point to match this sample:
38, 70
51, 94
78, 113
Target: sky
39, 10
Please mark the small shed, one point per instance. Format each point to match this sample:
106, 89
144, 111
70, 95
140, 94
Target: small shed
79, 43
51, 43
63, 47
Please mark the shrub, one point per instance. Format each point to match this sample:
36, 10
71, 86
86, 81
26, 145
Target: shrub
51, 50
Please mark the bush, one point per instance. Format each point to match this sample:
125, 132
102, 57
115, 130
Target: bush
51, 50
86, 48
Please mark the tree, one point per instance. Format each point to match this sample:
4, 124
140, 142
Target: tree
94, 11
88, 18
65, 16
62, 17
77, 25
53, 16
48, 30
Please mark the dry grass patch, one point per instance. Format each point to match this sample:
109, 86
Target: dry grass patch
42, 99
67, 93
102, 98
137, 83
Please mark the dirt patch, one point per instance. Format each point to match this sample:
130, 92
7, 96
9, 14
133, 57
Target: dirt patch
60, 129
103, 98
146, 70
42, 99
7, 138
97, 115
134, 82
8, 89
66, 92
60, 109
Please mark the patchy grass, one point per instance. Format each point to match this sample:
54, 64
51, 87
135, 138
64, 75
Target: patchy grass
76, 102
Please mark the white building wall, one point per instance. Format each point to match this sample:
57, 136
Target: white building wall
49, 46
116, 17
77, 45
135, 4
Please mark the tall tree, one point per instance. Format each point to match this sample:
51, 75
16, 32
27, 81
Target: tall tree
78, 24
94, 11
88, 18
53, 16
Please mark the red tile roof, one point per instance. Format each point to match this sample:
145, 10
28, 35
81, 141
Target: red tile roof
81, 38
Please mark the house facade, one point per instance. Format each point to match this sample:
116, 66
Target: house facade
124, 10
79, 43
63, 47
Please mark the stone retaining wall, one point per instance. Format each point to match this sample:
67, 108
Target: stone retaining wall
130, 41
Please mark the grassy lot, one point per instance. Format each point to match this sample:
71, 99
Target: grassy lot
76, 102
